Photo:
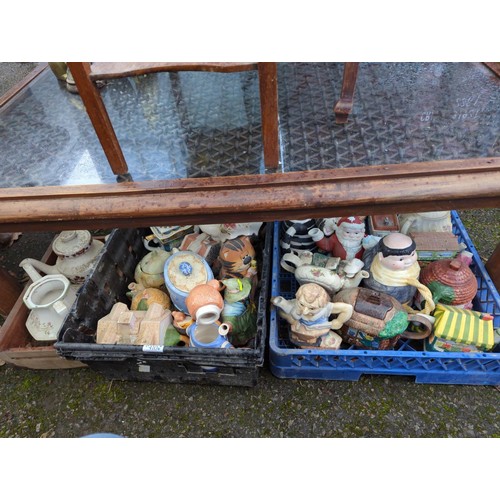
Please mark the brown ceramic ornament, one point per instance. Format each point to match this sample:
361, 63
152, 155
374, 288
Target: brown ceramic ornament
451, 281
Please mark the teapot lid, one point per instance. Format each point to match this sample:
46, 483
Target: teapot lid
71, 243
154, 261
185, 270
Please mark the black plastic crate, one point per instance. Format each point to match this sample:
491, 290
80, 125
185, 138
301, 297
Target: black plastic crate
108, 284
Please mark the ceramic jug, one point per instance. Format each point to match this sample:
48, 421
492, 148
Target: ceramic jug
426, 221
76, 253
50, 299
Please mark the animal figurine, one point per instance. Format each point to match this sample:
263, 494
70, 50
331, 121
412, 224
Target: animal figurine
239, 312
237, 259
309, 317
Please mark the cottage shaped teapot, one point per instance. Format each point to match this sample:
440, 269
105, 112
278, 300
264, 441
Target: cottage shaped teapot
76, 253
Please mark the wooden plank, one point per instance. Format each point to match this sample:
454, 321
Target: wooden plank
427, 186
109, 70
19, 86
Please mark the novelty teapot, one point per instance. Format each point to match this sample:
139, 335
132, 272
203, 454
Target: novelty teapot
426, 221
343, 274
76, 253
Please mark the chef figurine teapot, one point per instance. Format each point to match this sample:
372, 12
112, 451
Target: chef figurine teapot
76, 253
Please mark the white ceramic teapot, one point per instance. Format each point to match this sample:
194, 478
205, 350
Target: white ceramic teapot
76, 254
426, 221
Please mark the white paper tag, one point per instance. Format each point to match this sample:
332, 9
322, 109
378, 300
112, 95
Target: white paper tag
144, 368
152, 348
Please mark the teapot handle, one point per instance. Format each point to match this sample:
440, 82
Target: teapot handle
420, 331
290, 258
408, 223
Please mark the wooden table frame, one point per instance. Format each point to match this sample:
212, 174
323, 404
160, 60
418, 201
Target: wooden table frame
369, 190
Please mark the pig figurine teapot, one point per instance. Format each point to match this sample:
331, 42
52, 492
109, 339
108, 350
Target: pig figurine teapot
76, 253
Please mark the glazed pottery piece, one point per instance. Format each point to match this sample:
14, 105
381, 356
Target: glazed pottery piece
229, 231
451, 282
394, 270
309, 317
205, 303
141, 298
76, 253
379, 320
382, 225
237, 259
166, 237
346, 241
213, 336
182, 272
345, 275
239, 312
295, 235
50, 299
149, 271
426, 221
124, 326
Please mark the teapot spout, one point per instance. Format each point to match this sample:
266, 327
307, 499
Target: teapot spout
356, 279
30, 266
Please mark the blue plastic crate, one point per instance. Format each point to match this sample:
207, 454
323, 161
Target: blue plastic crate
408, 357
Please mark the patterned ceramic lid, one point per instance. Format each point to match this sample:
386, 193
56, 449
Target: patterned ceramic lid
186, 270
71, 243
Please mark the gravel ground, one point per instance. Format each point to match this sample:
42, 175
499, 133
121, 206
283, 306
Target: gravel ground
72, 403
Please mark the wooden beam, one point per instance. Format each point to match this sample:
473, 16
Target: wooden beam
427, 186
109, 70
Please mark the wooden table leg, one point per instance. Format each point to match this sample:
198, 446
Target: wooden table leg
99, 117
10, 290
493, 267
344, 105
268, 85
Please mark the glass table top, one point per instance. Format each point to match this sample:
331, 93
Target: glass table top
199, 124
